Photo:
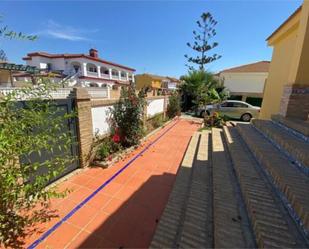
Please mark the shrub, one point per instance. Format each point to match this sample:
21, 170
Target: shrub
173, 107
126, 117
214, 120
157, 120
29, 129
104, 150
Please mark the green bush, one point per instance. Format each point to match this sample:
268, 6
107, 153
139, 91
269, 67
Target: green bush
214, 120
173, 107
157, 120
104, 150
126, 117
34, 127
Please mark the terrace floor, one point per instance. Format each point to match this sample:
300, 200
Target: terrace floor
124, 211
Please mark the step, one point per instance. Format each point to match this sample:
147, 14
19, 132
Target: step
172, 217
231, 228
271, 223
196, 229
293, 183
296, 148
299, 127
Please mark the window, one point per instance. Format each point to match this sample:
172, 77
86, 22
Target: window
91, 68
93, 84
104, 70
123, 74
234, 104
115, 73
239, 105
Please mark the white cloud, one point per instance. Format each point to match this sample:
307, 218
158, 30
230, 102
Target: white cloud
64, 32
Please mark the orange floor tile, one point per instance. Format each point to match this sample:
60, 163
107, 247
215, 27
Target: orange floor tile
126, 211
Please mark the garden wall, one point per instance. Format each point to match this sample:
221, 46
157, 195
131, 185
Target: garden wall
155, 105
100, 112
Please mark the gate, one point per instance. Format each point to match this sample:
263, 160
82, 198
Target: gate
65, 106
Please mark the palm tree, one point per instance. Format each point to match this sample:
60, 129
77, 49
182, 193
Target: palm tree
200, 88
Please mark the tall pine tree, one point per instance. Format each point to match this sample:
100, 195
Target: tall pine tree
202, 42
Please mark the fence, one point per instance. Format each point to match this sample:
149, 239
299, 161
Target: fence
59, 93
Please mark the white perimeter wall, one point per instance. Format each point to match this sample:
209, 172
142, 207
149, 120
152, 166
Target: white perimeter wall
154, 107
99, 119
244, 82
100, 115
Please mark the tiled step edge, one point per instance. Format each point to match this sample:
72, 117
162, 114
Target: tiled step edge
231, 226
291, 184
168, 226
272, 225
299, 128
293, 147
196, 229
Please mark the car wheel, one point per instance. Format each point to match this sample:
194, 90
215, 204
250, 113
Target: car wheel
246, 117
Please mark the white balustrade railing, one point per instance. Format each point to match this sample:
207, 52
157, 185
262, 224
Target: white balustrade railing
59, 93
98, 92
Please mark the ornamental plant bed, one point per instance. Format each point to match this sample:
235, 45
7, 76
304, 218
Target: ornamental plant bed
121, 154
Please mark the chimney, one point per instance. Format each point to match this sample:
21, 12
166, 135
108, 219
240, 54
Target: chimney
93, 53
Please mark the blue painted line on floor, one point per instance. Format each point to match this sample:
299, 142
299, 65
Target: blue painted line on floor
87, 199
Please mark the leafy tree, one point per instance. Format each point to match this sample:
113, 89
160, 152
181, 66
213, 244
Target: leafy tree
202, 42
202, 88
127, 117
173, 107
33, 138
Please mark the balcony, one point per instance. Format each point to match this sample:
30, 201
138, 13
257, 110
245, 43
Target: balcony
104, 76
92, 74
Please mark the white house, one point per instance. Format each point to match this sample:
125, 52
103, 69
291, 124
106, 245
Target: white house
87, 70
246, 82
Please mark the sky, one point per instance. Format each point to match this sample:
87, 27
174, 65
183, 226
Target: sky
149, 36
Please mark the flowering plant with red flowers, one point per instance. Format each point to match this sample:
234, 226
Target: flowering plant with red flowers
127, 116
116, 138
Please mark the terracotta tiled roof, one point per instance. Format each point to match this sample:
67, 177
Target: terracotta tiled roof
257, 67
68, 56
159, 77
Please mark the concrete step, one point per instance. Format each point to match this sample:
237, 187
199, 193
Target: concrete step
196, 229
296, 148
289, 180
271, 223
231, 226
167, 231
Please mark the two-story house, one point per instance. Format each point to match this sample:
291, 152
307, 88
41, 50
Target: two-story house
156, 83
86, 70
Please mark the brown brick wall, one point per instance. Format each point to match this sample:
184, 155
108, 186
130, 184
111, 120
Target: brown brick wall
295, 102
84, 124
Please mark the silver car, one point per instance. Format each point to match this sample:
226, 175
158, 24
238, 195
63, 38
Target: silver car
233, 109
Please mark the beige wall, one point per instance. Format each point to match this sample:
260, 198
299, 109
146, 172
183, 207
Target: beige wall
4, 76
244, 82
278, 74
289, 65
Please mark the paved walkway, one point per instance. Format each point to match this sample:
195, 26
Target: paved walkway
125, 212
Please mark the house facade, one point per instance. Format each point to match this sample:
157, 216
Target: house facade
86, 70
156, 83
287, 88
246, 82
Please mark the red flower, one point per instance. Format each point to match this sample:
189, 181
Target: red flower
116, 138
